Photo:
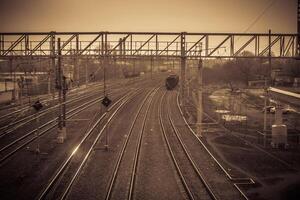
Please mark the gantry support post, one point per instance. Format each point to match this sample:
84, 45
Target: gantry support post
156, 45
105, 51
52, 68
121, 47
26, 46
183, 66
206, 45
124, 45
59, 84
1, 44
76, 64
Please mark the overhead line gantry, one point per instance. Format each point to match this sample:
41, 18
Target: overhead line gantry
149, 44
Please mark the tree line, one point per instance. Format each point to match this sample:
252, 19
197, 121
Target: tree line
242, 70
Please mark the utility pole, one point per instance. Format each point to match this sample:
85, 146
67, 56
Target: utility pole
49, 82
266, 91
37, 106
37, 132
86, 72
114, 60
65, 89
21, 86
183, 63
104, 76
200, 104
61, 98
151, 66
76, 65
12, 75
106, 101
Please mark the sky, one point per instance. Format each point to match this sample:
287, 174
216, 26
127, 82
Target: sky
148, 15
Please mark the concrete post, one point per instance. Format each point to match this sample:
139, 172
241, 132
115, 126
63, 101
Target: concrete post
49, 83
13, 78
151, 65
86, 72
61, 116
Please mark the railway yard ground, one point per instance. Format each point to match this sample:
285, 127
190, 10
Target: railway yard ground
145, 146
239, 145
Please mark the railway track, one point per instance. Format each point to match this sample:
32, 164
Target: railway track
49, 99
49, 191
253, 145
13, 147
73, 99
196, 188
237, 181
121, 167
16, 111
213, 171
7, 127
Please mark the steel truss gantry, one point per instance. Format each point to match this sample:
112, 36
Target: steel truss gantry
143, 45
148, 44
128, 45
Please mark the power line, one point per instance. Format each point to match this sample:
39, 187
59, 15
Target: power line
260, 15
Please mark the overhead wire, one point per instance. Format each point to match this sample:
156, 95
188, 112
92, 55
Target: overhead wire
272, 2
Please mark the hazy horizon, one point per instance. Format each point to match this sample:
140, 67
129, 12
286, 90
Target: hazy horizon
157, 15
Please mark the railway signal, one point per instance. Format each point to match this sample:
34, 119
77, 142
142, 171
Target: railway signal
37, 106
106, 101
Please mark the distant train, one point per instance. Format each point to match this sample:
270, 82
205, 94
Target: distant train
129, 72
172, 81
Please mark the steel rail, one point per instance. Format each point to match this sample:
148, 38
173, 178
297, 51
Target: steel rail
250, 180
91, 148
207, 186
8, 155
33, 117
49, 122
253, 145
95, 86
186, 187
27, 106
17, 124
138, 150
121, 154
64, 165
72, 95
75, 110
